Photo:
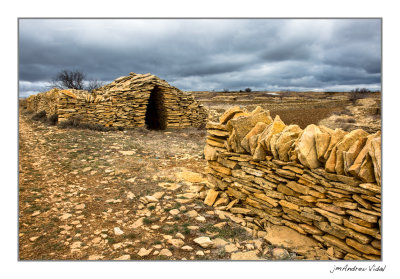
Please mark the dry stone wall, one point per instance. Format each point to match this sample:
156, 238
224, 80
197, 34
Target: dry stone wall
323, 183
45, 101
132, 101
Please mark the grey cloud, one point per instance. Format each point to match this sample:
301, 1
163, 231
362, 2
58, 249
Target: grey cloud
205, 54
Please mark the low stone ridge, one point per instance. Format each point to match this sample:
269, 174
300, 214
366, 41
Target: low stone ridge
126, 102
322, 183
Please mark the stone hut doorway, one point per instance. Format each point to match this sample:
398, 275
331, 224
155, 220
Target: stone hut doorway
156, 113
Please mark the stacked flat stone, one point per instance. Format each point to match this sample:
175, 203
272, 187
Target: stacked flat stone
45, 101
322, 183
76, 103
131, 95
124, 102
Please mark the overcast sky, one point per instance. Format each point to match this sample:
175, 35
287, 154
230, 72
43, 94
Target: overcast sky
205, 54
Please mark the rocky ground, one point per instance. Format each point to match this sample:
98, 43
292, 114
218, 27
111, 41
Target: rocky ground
125, 195
138, 194
361, 114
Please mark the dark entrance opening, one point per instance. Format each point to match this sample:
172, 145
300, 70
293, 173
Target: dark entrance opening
155, 114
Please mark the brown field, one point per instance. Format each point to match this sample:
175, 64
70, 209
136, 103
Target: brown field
301, 108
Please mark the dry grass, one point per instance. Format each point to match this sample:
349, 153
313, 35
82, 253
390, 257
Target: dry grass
304, 117
301, 108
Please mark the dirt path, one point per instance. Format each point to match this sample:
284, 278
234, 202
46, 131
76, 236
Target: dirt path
133, 195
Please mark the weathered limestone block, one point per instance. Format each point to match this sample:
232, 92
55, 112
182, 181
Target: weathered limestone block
302, 189
289, 205
235, 193
336, 136
311, 229
363, 216
340, 244
266, 185
330, 229
68, 93
242, 174
322, 141
227, 163
342, 146
333, 218
253, 143
215, 142
229, 113
375, 154
345, 204
285, 142
363, 167
264, 197
350, 155
376, 244
211, 197
362, 229
286, 173
210, 153
371, 187
218, 133
306, 148
274, 128
259, 153
313, 216
286, 190
294, 226
366, 249
331, 208
257, 129
362, 238
263, 141
272, 145
217, 183
241, 126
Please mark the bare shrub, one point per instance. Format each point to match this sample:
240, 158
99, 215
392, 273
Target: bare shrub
73, 121
40, 116
76, 122
345, 120
358, 93
23, 103
67, 79
342, 112
94, 84
350, 120
64, 124
53, 119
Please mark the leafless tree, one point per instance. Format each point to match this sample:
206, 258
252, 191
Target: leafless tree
69, 79
358, 93
74, 80
94, 84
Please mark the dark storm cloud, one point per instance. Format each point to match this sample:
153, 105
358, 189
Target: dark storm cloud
205, 54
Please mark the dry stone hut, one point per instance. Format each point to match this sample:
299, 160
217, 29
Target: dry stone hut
137, 100
146, 100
